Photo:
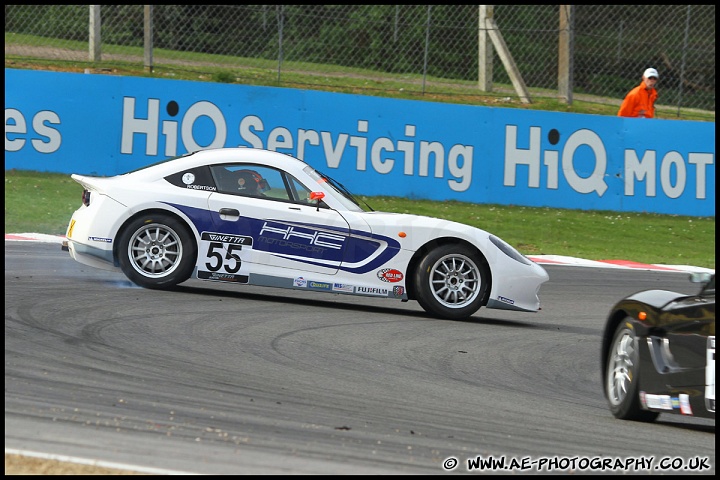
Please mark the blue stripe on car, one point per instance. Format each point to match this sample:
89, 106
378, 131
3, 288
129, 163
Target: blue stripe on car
354, 256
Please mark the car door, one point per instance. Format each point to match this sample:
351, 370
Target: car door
269, 230
688, 323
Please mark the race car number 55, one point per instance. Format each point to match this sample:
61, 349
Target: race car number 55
223, 254
231, 262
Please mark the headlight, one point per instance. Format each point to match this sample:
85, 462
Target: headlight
509, 251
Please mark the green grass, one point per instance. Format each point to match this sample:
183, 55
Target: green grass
44, 202
39, 202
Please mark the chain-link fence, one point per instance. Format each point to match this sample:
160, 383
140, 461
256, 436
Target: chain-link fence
434, 48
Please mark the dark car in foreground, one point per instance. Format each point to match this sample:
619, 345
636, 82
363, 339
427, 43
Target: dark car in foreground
658, 353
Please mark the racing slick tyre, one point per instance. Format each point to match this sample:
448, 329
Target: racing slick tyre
157, 251
452, 281
622, 376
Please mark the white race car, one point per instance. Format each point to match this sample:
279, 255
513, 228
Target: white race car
258, 217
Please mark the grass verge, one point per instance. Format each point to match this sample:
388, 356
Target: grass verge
37, 202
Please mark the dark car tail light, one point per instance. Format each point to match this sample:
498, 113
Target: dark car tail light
86, 197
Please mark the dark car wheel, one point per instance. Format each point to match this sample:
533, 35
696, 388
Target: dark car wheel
157, 251
622, 377
452, 281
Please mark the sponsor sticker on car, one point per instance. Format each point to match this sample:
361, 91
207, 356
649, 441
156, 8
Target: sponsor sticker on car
343, 287
509, 301
710, 375
661, 402
319, 285
222, 277
685, 408
381, 292
390, 275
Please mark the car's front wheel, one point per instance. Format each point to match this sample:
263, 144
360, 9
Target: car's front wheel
622, 376
157, 251
451, 281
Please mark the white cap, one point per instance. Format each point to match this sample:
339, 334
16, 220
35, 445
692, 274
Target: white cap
651, 72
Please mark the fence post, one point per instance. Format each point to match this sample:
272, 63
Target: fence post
280, 14
148, 38
427, 48
508, 62
682, 65
485, 50
95, 37
565, 54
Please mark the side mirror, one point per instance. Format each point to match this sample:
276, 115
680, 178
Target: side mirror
317, 196
700, 277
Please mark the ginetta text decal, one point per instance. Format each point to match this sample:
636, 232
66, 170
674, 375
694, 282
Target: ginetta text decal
225, 238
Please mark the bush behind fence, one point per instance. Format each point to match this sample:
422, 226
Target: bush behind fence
436, 45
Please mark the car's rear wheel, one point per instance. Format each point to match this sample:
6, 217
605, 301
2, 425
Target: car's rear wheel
157, 251
622, 376
452, 281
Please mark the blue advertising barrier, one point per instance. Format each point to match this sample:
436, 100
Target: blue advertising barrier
107, 125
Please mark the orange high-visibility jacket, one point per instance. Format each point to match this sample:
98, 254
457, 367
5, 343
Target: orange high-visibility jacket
637, 99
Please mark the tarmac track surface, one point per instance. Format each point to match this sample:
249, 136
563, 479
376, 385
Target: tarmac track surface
215, 379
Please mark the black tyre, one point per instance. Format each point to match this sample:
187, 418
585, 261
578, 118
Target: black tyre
452, 281
622, 376
157, 251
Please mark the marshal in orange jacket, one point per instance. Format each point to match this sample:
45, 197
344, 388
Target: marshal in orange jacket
639, 102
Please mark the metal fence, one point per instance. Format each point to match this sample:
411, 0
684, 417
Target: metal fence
435, 48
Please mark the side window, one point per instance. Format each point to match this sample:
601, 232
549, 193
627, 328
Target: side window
250, 180
300, 191
198, 178
259, 181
